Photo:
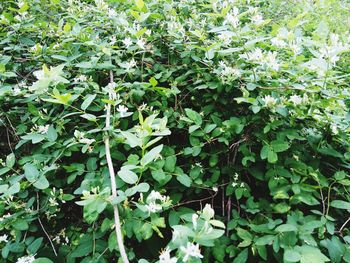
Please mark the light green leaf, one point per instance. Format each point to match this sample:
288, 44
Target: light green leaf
42, 183
31, 172
340, 204
184, 179
291, 255
10, 160
151, 155
51, 134
131, 139
127, 176
88, 100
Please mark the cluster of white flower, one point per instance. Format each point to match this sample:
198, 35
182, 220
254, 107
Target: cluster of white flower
269, 58
269, 101
81, 78
232, 18
36, 48
226, 73
61, 237
191, 250
3, 238
152, 205
42, 129
80, 136
127, 42
226, 37
175, 28
165, 257
131, 64
4, 217
26, 259
122, 110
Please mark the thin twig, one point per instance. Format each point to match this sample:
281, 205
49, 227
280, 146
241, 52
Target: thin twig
112, 177
42, 226
197, 200
343, 226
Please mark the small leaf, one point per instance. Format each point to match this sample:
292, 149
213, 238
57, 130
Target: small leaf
127, 176
88, 100
131, 139
42, 183
31, 172
10, 160
340, 204
184, 179
153, 82
51, 134
279, 146
291, 255
151, 155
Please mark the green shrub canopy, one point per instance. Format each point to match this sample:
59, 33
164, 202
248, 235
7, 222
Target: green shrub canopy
202, 131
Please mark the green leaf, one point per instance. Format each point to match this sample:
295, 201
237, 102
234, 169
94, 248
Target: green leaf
279, 146
286, 228
170, 163
88, 100
311, 254
31, 172
272, 156
161, 177
10, 160
151, 155
291, 255
242, 257
42, 183
153, 82
184, 179
51, 134
127, 176
20, 224
35, 245
131, 139
139, 4
35, 138
340, 204
264, 152
265, 240
194, 116
42, 260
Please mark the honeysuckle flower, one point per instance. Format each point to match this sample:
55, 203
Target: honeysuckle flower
154, 195
232, 18
269, 101
43, 129
80, 78
256, 55
208, 212
122, 110
112, 13
276, 41
194, 221
165, 257
26, 259
130, 65
127, 42
141, 43
3, 238
191, 250
16, 91
271, 60
296, 100
257, 19
153, 207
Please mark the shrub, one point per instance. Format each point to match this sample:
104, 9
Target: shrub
226, 122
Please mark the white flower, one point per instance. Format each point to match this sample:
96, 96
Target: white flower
43, 129
153, 207
16, 91
257, 19
3, 238
81, 78
165, 257
141, 43
26, 259
86, 141
271, 60
276, 41
130, 65
191, 250
232, 18
256, 55
334, 129
111, 12
56, 46
269, 101
113, 39
296, 99
194, 221
226, 37
127, 42
234, 184
208, 212
122, 110
153, 196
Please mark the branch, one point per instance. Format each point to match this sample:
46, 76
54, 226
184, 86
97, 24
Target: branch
112, 176
343, 226
42, 226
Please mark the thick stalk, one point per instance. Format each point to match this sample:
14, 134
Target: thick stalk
112, 176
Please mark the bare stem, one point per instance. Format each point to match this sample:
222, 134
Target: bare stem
343, 226
113, 183
42, 226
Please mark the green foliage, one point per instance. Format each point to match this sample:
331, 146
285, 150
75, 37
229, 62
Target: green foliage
229, 130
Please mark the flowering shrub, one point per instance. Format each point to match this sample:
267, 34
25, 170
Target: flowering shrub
174, 131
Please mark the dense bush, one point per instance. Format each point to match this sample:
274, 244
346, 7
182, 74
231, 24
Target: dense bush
233, 110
